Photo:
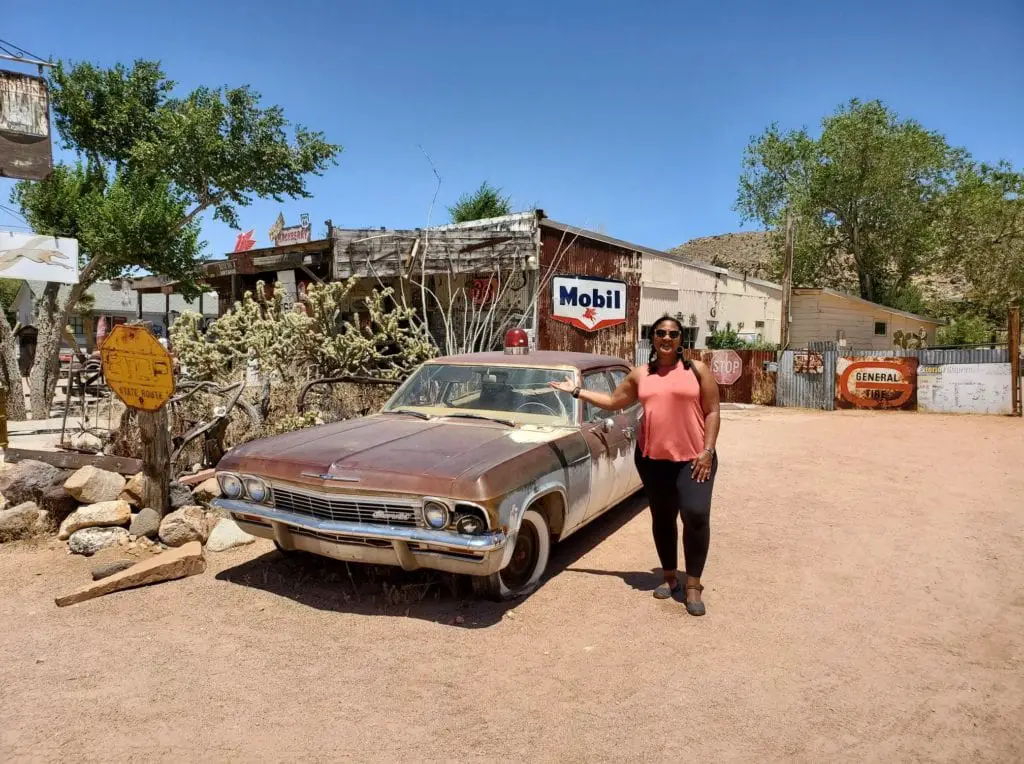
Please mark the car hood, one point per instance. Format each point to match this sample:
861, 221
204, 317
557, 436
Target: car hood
387, 453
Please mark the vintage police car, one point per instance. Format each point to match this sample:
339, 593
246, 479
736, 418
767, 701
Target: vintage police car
474, 466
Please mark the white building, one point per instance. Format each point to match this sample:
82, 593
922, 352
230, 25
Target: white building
706, 297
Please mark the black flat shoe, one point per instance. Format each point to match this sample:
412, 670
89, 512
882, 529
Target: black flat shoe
665, 591
695, 608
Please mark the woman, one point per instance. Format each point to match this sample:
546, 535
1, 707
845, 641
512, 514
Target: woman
675, 453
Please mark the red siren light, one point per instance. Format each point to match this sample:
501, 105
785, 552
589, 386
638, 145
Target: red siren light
517, 342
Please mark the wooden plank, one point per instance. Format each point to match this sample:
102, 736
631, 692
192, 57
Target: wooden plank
73, 461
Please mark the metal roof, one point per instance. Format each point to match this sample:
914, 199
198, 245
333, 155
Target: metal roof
875, 305
108, 299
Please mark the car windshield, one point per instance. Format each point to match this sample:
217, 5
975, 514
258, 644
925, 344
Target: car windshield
516, 394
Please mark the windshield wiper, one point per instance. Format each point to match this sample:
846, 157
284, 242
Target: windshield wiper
410, 412
508, 422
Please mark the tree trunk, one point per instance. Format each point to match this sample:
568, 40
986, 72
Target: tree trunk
10, 373
51, 318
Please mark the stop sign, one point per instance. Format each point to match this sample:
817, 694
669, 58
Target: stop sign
726, 366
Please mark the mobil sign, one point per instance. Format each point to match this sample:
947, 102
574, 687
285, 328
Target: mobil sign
588, 302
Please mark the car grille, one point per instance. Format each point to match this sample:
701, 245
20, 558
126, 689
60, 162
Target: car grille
349, 509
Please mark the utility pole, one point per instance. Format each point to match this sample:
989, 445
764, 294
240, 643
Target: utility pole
787, 280
1014, 347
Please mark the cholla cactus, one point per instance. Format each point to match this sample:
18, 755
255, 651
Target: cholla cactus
289, 342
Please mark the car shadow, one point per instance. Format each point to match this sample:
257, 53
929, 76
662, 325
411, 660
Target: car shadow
327, 584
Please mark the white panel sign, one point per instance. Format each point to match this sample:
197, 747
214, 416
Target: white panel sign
588, 303
33, 257
964, 388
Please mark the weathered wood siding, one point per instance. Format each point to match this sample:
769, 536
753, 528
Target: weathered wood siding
819, 316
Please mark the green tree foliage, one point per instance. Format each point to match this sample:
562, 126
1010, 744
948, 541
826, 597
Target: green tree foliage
294, 342
984, 236
966, 330
726, 339
149, 163
485, 202
868, 192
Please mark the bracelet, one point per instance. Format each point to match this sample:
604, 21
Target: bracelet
576, 392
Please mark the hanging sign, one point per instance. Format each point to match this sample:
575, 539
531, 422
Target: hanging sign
588, 302
33, 257
281, 234
25, 151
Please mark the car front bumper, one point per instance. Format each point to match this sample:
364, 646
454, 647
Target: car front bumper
408, 548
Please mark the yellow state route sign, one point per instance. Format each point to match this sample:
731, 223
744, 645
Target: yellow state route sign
137, 367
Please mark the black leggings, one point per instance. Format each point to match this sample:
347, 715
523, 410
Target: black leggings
672, 491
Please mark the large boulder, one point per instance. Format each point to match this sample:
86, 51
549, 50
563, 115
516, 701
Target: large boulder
206, 491
100, 515
19, 522
184, 525
135, 490
89, 541
91, 485
28, 481
87, 442
58, 502
180, 496
227, 535
145, 524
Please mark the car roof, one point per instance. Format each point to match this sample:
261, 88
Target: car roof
536, 358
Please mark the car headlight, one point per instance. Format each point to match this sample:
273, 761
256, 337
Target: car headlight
257, 490
435, 514
471, 524
230, 485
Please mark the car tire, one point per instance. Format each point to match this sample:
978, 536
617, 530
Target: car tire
525, 569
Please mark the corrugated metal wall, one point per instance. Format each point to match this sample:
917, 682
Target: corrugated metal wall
755, 385
799, 389
570, 254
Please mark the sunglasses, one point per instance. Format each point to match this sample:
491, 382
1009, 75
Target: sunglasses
670, 333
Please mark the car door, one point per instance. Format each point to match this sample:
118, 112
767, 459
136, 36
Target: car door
609, 444
628, 479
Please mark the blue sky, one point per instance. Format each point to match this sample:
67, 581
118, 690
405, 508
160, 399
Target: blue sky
628, 118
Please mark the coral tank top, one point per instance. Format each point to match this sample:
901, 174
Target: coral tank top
673, 423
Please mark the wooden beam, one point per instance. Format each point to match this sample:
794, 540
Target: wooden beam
73, 461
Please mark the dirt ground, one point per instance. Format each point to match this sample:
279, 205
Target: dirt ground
865, 595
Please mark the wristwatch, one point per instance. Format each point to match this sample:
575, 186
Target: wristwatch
576, 392
710, 451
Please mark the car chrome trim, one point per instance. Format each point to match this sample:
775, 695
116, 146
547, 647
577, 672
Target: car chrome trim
486, 542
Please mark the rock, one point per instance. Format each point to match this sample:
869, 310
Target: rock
227, 535
18, 522
86, 441
91, 485
184, 525
176, 563
3, 502
145, 524
135, 490
207, 490
180, 496
110, 568
89, 541
28, 481
58, 502
44, 523
100, 515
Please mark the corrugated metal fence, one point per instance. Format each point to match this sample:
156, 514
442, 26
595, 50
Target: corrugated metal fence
806, 379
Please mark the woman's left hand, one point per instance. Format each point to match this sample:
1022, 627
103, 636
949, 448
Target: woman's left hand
702, 467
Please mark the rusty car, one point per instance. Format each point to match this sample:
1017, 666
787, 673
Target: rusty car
474, 466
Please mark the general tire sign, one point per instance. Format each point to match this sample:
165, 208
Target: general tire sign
588, 302
877, 383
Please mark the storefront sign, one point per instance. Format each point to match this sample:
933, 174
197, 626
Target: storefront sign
33, 257
877, 383
726, 366
25, 151
588, 302
483, 291
965, 388
245, 241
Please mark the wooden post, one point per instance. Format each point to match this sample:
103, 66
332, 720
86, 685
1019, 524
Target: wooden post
138, 308
1014, 346
787, 280
156, 458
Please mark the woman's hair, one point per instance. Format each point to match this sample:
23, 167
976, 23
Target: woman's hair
652, 365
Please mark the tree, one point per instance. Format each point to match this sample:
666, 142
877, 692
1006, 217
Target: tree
966, 330
984, 237
485, 202
149, 164
726, 339
869, 194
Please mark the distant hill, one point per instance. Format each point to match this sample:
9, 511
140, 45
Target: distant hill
748, 252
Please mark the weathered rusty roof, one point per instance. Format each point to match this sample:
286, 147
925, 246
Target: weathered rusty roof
537, 358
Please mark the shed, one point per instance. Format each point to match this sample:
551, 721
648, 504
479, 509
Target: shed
825, 315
